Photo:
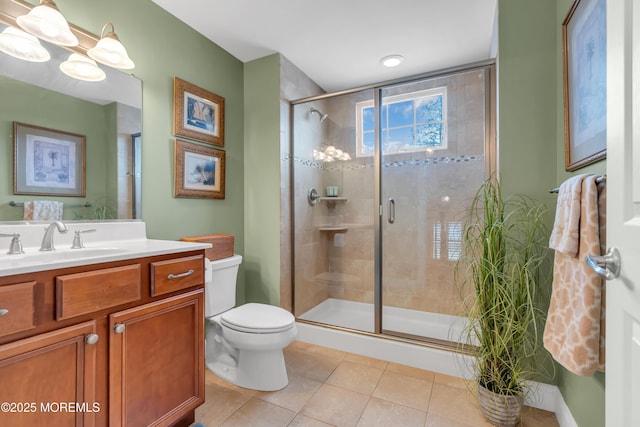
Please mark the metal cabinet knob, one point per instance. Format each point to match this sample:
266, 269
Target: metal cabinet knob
607, 265
91, 339
118, 328
4, 311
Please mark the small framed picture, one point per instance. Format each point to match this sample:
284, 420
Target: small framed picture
48, 162
199, 171
584, 39
198, 113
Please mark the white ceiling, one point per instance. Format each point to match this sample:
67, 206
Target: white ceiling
338, 43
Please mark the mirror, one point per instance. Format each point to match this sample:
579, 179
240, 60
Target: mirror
107, 113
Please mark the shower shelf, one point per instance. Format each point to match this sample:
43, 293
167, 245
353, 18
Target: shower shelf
332, 200
333, 228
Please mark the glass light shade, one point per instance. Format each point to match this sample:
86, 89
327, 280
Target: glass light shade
47, 23
82, 68
110, 51
22, 45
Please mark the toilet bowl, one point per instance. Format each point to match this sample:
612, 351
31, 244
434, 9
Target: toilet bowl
244, 344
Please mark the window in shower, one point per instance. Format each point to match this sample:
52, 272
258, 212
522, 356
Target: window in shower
411, 122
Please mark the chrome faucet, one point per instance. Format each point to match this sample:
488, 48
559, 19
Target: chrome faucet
16, 245
47, 240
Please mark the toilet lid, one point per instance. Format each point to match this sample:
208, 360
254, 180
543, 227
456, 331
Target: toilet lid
257, 318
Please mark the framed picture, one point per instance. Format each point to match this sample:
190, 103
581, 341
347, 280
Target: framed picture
48, 161
585, 83
199, 171
198, 113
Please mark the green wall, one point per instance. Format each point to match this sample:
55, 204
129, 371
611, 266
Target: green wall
531, 133
163, 47
262, 179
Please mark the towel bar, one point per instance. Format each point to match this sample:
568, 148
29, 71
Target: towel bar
600, 179
18, 204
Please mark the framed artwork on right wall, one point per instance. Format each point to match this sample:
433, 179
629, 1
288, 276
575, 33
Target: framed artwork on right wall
585, 83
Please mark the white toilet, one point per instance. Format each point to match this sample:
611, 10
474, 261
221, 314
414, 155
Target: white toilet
244, 344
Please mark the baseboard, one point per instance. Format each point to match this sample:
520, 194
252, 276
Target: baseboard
542, 396
548, 397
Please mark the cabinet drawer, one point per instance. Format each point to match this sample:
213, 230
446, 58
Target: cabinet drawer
17, 302
90, 291
175, 274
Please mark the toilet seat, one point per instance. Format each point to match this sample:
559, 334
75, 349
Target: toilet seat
258, 319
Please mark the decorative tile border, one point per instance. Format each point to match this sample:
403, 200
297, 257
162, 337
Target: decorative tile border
365, 164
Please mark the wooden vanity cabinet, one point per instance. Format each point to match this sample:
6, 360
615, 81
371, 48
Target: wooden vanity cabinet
156, 356
41, 373
97, 348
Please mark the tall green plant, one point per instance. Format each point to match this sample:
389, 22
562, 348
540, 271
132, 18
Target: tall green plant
503, 258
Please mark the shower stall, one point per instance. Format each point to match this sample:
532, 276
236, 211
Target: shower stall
381, 180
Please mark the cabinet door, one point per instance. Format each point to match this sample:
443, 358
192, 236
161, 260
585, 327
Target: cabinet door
49, 379
156, 361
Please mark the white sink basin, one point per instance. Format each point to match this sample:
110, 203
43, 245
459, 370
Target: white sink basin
35, 260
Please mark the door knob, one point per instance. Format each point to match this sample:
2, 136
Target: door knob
607, 265
118, 328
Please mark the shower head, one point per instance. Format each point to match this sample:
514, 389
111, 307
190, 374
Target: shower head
322, 116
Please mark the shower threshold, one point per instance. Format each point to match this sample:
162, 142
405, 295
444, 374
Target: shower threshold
360, 316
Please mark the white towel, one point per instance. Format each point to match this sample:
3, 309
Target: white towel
43, 210
565, 235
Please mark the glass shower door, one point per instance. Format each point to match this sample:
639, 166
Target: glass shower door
333, 202
432, 160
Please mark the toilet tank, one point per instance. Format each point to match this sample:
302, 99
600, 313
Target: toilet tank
220, 284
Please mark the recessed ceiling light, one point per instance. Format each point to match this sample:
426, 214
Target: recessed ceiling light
392, 60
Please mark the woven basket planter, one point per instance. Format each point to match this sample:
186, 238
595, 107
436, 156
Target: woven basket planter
498, 409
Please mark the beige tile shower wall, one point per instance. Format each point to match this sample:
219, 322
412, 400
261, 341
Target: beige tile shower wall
418, 267
352, 254
294, 84
311, 259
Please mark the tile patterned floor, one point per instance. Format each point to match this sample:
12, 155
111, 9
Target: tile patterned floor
333, 388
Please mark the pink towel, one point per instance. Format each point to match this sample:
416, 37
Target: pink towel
43, 210
574, 332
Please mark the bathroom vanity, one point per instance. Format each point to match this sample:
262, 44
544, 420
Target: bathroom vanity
112, 336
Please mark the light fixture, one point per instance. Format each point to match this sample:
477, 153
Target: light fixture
22, 45
47, 23
110, 51
330, 154
82, 68
392, 60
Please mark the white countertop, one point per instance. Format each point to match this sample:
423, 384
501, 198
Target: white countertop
112, 241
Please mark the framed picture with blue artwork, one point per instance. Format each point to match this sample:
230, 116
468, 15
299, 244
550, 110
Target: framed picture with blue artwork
198, 113
585, 83
47, 161
199, 171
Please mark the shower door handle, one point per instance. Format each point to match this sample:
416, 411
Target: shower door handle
392, 211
